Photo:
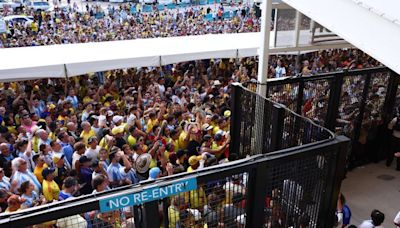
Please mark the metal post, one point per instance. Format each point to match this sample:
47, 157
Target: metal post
275, 26
257, 189
335, 175
300, 96
359, 120
236, 115
334, 101
266, 7
66, 79
297, 29
390, 98
278, 118
152, 218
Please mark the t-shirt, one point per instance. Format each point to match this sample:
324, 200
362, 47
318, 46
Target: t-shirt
30, 199
131, 140
116, 172
51, 190
368, 224
75, 158
38, 172
64, 195
93, 154
86, 135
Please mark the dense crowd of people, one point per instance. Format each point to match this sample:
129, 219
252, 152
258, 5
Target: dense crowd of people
61, 139
125, 22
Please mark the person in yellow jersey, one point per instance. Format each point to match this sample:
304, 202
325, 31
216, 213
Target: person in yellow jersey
195, 163
87, 132
40, 165
151, 122
51, 191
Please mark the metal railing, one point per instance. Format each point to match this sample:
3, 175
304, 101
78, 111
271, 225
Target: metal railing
285, 187
355, 103
263, 125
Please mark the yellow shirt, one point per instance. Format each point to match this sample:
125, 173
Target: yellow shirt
38, 172
131, 140
51, 191
196, 198
103, 144
35, 144
150, 125
86, 135
173, 216
215, 130
182, 143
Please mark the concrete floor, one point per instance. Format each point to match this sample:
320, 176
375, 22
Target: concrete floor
365, 189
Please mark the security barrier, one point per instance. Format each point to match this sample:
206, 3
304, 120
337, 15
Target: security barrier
355, 103
293, 176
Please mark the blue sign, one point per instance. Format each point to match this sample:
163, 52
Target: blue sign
147, 195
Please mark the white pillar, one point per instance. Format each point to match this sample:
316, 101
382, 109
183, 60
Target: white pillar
297, 29
266, 8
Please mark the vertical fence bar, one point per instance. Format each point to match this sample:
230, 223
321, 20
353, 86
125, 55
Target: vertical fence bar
336, 175
152, 216
278, 118
165, 211
300, 96
255, 200
390, 98
236, 116
359, 120
334, 101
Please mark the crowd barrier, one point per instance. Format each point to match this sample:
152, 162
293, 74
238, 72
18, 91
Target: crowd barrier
355, 103
281, 186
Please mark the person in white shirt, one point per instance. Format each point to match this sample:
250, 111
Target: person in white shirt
280, 70
79, 148
93, 151
376, 220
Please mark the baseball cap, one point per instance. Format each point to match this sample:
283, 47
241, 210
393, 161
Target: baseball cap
207, 127
47, 171
116, 119
227, 113
117, 130
154, 172
91, 139
193, 160
58, 157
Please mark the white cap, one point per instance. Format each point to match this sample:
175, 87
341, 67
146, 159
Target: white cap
116, 119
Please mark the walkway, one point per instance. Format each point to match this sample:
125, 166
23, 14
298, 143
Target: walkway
373, 186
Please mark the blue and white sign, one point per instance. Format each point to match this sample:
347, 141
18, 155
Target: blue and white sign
147, 195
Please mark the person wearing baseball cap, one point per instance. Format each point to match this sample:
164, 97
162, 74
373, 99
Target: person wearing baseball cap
85, 174
51, 191
195, 163
61, 170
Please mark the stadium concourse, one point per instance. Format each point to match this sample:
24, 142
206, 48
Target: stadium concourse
64, 138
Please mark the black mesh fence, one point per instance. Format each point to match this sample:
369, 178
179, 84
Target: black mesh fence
214, 203
355, 103
263, 126
296, 190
